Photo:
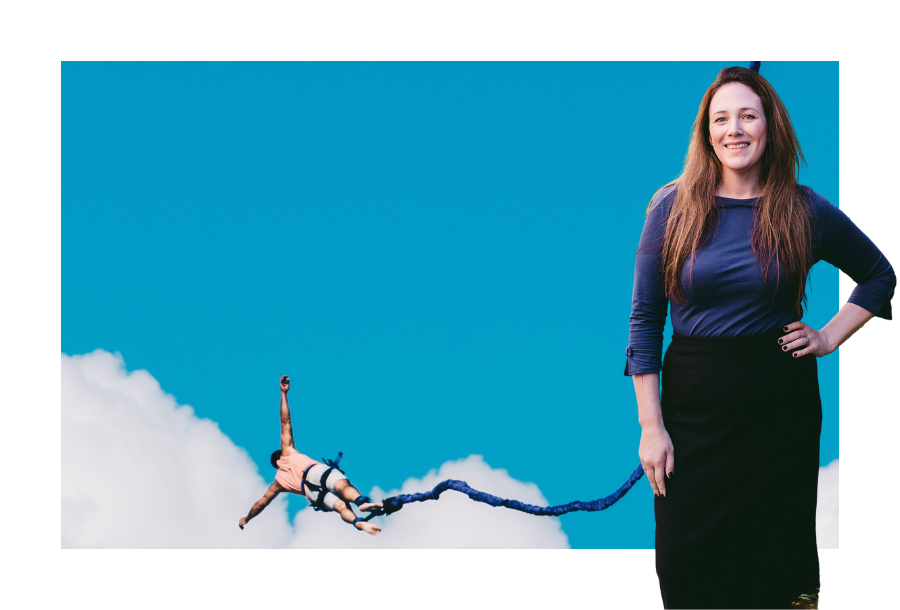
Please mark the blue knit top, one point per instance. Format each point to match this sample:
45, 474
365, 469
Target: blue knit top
725, 292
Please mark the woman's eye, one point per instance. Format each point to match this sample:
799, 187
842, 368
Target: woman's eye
721, 118
749, 116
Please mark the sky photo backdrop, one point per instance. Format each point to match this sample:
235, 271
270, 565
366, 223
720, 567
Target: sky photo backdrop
440, 255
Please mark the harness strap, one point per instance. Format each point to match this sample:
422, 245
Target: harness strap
324, 480
334, 463
320, 499
304, 485
303, 482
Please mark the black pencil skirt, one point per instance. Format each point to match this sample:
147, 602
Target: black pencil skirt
737, 528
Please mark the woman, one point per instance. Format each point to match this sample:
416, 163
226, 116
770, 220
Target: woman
729, 245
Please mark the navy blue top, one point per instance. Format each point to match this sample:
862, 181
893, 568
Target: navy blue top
725, 296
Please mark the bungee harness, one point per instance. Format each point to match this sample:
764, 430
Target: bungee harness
321, 489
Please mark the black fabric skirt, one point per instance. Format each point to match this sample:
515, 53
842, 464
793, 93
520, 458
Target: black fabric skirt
737, 528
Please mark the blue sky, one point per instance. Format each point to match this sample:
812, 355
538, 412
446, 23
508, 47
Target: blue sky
439, 254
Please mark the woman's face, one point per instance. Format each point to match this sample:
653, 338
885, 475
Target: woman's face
737, 128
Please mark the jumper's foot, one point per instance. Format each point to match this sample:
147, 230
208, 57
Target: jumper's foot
369, 528
371, 507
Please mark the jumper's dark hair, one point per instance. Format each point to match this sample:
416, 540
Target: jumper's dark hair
782, 228
276, 455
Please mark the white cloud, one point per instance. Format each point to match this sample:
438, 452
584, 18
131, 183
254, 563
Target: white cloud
827, 507
141, 471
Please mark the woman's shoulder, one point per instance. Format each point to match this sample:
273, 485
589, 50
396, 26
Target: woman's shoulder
823, 211
662, 200
815, 201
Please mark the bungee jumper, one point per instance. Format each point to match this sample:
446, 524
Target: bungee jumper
324, 484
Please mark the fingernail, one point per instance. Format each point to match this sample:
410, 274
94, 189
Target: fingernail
795, 355
784, 348
785, 329
671, 474
780, 341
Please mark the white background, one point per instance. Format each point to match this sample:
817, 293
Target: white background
35, 39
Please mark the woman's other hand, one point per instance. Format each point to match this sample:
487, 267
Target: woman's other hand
804, 339
657, 457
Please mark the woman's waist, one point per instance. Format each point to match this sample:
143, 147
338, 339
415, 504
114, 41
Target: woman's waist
757, 338
755, 345
728, 320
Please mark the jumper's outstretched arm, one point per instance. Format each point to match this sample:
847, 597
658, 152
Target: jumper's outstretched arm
274, 490
287, 433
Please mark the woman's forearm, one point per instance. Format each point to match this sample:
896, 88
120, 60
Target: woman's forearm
846, 322
656, 451
646, 390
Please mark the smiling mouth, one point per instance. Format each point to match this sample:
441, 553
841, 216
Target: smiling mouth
737, 146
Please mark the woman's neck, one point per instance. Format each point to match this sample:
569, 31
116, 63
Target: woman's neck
736, 185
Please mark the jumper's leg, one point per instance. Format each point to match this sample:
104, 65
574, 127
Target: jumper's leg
346, 491
348, 516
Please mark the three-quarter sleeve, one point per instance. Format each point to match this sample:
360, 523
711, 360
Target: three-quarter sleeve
649, 302
850, 250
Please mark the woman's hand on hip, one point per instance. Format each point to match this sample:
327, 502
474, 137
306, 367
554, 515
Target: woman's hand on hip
657, 457
802, 339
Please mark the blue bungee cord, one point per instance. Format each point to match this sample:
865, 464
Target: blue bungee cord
395, 503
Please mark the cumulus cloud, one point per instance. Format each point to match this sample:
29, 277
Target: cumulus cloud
827, 507
141, 471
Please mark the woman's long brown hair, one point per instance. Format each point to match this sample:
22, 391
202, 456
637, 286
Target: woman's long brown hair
782, 225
